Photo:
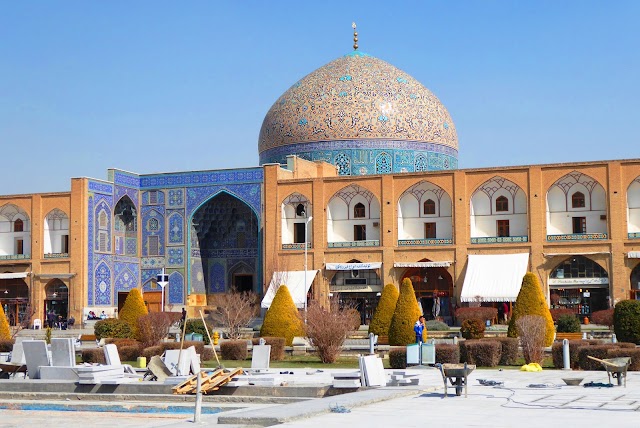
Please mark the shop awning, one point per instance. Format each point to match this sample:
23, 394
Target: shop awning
421, 264
633, 255
14, 275
494, 278
353, 266
294, 280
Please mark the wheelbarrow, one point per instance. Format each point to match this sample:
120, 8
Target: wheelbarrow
616, 368
457, 375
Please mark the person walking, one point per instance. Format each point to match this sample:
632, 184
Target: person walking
418, 328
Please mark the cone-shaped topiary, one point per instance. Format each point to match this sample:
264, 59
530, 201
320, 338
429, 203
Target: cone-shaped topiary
5, 331
133, 309
531, 301
384, 311
282, 320
405, 316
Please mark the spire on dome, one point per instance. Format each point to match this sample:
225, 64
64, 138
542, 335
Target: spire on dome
355, 36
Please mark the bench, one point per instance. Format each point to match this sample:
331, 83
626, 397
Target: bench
568, 336
86, 338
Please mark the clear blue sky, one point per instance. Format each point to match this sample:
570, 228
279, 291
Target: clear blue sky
152, 86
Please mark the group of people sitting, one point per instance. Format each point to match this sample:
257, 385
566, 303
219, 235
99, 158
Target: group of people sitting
92, 316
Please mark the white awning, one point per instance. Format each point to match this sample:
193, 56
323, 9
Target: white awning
494, 278
353, 266
633, 255
14, 275
294, 280
421, 264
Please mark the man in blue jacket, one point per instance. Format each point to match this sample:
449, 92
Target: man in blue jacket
418, 328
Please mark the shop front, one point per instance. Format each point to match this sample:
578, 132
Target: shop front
356, 285
14, 298
433, 286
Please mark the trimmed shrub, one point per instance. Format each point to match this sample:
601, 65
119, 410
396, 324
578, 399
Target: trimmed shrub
381, 320
626, 345
129, 353
6, 345
95, 355
133, 309
112, 327
484, 353
282, 320
480, 313
556, 313
603, 317
195, 325
435, 325
152, 351
121, 342
598, 351
627, 352
568, 324
405, 316
626, 321
398, 357
509, 351
233, 350
574, 347
531, 301
472, 328
277, 347
447, 354
5, 330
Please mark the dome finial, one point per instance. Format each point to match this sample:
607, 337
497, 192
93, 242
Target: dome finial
355, 36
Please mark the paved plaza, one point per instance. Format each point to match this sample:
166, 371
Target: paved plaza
524, 400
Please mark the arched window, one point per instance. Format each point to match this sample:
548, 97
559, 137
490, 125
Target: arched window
502, 204
577, 200
18, 226
429, 207
300, 211
153, 224
358, 211
102, 220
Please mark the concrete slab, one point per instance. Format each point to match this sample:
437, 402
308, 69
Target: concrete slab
36, 355
63, 352
59, 373
260, 357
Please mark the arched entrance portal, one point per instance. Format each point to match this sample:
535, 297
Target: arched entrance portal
635, 283
14, 297
224, 246
57, 299
434, 290
579, 284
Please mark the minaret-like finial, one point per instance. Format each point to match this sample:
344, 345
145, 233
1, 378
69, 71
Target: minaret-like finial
355, 36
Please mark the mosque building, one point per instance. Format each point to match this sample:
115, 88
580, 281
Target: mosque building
357, 187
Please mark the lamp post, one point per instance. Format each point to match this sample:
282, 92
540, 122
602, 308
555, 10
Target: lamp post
162, 281
306, 223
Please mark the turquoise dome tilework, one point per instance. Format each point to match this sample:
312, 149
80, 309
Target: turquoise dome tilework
363, 115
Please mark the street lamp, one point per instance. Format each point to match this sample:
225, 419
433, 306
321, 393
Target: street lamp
162, 281
306, 223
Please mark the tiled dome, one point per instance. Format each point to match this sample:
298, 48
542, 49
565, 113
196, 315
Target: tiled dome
357, 97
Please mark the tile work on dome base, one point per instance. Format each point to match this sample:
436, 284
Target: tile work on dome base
370, 157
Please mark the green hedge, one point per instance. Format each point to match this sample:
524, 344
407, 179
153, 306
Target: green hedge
568, 323
472, 328
112, 327
95, 355
509, 350
195, 325
626, 321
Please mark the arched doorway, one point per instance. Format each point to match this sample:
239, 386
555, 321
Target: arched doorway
580, 284
57, 299
14, 297
635, 282
224, 246
433, 286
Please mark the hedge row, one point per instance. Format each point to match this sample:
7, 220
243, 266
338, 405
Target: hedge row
233, 350
580, 350
130, 350
277, 346
485, 353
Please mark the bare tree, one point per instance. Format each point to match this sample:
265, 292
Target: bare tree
328, 327
532, 332
154, 326
234, 310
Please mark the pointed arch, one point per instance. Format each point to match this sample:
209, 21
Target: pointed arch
56, 232
295, 209
343, 226
176, 288
498, 212
424, 215
633, 208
